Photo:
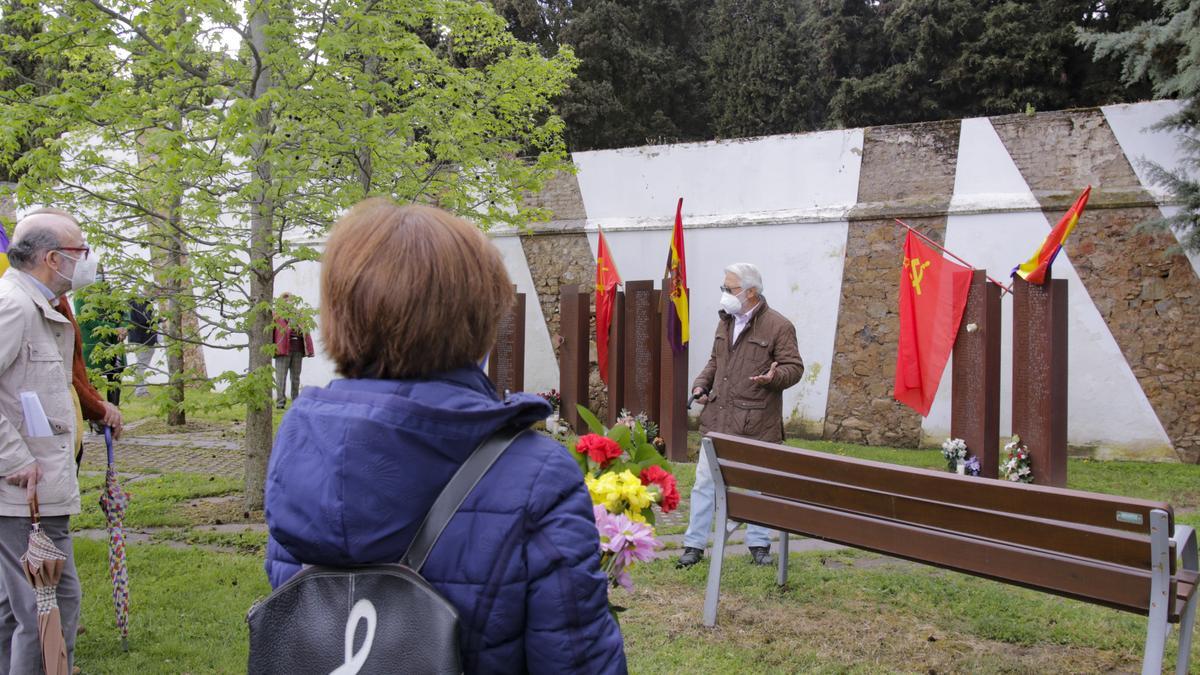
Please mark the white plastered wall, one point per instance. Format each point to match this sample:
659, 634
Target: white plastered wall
1106, 405
778, 202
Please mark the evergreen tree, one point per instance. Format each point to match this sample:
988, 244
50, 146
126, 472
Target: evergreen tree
763, 68
1166, 52
641, 76
540, 22
958, 58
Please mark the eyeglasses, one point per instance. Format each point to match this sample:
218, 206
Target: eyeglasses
85, 249
727, 289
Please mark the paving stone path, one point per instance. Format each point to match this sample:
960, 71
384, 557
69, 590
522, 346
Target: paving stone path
205, 452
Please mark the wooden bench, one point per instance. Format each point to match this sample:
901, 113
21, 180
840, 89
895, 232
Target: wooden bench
1127, 554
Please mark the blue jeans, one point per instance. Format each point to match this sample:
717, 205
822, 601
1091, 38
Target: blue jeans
700, 518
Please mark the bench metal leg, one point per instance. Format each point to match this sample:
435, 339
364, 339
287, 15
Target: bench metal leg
781, 577
1160, 593
1187, 624
1185, 543
717, 559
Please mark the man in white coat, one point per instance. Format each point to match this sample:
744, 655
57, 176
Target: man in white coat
48, 257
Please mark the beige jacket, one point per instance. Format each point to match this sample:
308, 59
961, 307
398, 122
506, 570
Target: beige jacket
736, 405
36, 348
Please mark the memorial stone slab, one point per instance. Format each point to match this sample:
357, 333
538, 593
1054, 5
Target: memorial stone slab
616, 359
574, 327
975, 378
642, 324
506, 364
1039, 410
673, 392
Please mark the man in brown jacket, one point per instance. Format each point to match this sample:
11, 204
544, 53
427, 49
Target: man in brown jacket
754, 358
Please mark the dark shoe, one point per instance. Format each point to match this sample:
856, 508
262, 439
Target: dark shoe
690, 557
280, 405
761, 555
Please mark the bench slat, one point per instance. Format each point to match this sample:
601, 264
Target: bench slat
1115, 586
1121, 548
1083, 508
1184, 589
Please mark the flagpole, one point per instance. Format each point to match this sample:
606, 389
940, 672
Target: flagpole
939, 247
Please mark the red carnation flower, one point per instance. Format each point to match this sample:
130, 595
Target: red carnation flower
656, 475
600, 449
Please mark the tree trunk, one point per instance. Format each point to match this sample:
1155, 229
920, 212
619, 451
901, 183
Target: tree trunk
259, 420
8, 206
168, 255
365, 166
177, 374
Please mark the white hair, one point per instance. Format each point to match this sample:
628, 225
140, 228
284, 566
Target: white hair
748, 274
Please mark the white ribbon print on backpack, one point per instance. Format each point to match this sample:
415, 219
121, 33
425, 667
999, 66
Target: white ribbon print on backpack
363, 609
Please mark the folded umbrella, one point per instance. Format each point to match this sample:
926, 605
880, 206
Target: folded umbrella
113, 502
43, 565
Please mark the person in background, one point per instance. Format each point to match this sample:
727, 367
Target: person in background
754, 358
48, 257
103, 332
292, 346
411, 300
91, 405
143, 340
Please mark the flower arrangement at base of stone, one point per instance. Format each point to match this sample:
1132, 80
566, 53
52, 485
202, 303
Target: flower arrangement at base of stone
955, 451
1017, 466
625, 476
553, 398
629, 419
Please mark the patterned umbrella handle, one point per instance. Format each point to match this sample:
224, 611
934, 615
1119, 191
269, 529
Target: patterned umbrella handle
108, 443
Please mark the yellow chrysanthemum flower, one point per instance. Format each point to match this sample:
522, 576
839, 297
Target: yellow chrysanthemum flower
619, 493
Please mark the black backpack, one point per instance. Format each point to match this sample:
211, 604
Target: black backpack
376, 618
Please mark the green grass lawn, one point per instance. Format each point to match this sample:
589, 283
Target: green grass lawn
845, 611
187, 613
205, 410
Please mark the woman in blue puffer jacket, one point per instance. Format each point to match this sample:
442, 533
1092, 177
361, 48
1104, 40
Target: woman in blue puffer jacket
410, 301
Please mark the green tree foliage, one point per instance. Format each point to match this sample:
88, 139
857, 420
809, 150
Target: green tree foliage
209, 141
540, 22
764, 69
25, 76
641, 76
1166, 52
959, 58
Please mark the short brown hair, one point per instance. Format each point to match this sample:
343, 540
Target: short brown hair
408, 291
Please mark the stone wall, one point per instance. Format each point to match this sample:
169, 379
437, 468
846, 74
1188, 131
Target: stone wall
817, 212
558, 254
906, 170
1146, 295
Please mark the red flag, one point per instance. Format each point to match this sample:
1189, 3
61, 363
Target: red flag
677, 326
933, 294
607, 280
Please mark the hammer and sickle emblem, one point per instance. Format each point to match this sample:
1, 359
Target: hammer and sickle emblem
916, 272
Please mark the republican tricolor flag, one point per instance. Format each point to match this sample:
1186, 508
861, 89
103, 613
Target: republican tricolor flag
677, 321
933, 295
607, 280
3, 250
1035, 269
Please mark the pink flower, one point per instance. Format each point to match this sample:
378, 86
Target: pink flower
633, 541
626, 541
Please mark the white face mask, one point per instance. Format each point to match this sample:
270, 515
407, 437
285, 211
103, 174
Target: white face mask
85, 271
730, 303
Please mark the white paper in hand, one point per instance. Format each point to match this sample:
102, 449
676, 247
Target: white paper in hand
36, 424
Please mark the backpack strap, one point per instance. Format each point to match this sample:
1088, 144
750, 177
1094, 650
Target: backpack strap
455, 493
